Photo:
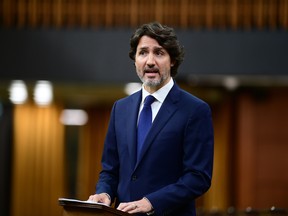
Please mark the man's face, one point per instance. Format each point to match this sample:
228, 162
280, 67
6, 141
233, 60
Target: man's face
152, 63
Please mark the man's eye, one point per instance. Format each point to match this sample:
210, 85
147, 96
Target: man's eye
159, 53
142, 52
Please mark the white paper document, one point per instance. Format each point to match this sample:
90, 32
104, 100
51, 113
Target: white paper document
80, 201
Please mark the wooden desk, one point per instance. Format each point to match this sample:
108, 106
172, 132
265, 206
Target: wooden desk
81, 208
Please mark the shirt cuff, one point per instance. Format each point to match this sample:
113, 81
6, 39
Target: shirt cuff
151, 212
108, 196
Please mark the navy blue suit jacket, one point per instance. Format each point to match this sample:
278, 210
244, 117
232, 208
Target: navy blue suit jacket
175, 165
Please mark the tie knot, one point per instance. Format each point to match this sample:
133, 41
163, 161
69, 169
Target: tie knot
149, 100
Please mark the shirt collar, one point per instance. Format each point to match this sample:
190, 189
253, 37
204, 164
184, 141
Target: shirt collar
161, 93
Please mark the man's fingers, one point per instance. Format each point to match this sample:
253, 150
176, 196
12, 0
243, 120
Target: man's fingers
128, 207
101, 198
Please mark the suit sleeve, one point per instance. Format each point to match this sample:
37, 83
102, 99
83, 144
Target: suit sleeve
108, 179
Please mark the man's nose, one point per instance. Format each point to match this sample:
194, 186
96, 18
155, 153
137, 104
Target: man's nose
150, 60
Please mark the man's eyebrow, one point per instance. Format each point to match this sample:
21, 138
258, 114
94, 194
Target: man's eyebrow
159, 48
142, 48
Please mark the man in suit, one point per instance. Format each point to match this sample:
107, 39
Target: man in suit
173, 166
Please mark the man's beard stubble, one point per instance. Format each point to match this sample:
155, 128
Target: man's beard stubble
154, 82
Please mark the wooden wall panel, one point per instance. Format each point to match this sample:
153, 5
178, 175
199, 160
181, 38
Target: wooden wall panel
91, 145
208, 14
219, 196
262, 149
38, 161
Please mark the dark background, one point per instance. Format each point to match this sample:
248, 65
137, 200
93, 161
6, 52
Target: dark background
101, 57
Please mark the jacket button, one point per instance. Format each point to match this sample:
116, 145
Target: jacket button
134, 178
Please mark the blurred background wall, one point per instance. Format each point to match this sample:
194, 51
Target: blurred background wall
236, 60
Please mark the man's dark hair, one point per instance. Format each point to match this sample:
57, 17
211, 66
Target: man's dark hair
166, 38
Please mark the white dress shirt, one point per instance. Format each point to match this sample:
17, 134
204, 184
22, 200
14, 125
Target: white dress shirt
159, 95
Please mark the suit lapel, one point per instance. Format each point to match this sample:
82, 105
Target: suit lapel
166, 111
131, 129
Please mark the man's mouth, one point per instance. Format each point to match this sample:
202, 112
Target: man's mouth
150, 71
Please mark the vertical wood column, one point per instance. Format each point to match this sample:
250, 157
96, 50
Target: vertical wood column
38, 161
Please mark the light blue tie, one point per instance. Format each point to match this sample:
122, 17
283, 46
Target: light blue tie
145, 122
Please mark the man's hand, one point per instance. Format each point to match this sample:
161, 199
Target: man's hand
101, 198
139, 206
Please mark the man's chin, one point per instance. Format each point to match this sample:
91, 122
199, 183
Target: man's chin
152, 83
